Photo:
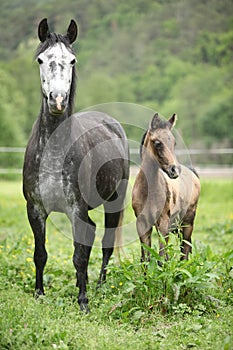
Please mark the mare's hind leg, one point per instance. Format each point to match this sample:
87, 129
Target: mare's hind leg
83, 242
37, 219
111, 223
114, 209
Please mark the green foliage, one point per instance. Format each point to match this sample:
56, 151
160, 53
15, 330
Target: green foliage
177, 286
173, 56
180, 305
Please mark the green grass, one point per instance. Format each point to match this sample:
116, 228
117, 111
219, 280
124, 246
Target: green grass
180, 305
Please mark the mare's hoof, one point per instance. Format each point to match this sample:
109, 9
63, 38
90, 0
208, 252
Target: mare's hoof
84, 308
38, 293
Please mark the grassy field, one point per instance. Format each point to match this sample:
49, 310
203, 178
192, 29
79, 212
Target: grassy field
180, 305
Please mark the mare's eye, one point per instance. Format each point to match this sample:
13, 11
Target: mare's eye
158, 144
39, 60
73, 62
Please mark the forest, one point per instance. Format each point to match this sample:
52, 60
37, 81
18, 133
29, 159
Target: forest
169, 56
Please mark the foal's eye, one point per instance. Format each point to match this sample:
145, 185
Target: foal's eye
73, 62
157, 144
39, 60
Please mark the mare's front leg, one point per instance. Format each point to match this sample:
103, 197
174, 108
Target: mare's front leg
37, 218
84, 234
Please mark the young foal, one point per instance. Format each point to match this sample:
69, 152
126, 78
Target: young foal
164, 191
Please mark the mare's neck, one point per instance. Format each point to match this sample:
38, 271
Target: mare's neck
49, 122
52, 126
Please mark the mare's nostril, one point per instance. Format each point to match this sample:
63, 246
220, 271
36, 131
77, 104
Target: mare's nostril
51, 96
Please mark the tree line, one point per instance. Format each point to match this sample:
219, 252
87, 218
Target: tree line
170, 56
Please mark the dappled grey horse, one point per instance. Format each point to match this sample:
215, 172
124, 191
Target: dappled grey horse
73, 163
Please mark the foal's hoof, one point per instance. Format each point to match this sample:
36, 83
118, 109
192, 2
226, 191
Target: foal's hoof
84, 308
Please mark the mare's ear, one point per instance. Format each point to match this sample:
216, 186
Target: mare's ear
155, 121
72, 31
172, 121
43, 30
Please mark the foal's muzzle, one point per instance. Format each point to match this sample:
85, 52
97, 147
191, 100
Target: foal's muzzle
173, 171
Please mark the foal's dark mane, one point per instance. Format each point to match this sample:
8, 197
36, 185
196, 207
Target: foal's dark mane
52, 40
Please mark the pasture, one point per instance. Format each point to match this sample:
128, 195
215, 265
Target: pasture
180, 305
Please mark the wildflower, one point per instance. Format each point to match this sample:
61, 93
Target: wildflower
112, 287
120, 284
29, 259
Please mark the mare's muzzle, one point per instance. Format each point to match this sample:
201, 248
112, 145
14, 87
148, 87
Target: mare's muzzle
57, 102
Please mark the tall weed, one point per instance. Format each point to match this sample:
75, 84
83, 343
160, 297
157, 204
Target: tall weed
170, 286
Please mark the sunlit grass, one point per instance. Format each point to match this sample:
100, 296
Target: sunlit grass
180, 305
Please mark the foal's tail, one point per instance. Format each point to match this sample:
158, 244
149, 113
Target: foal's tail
118, 245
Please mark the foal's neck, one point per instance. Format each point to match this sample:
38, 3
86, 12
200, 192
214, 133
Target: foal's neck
151, 168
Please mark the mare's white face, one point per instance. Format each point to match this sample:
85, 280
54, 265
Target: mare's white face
56, 66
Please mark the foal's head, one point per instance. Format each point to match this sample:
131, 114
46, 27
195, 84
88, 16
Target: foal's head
57, 72
159, 143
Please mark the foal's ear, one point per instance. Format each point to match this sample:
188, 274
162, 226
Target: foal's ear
43, 30
155, 121
172, 121
72, 31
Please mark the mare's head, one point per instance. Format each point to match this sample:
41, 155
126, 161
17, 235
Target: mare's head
57, 67
159, 144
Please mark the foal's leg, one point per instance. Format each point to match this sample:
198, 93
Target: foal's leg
162, 227
146, 240
187, 229
186, 248
37, 219
83, 242
111, 223
144, 231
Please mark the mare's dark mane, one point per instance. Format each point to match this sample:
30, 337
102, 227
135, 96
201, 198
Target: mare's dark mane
53, 39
